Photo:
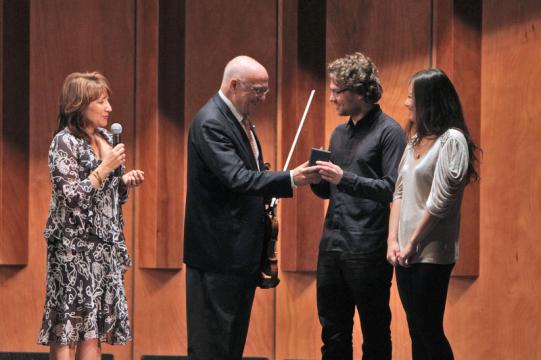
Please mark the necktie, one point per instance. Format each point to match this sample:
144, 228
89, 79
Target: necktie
246, 125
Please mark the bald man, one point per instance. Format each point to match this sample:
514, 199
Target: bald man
224, 225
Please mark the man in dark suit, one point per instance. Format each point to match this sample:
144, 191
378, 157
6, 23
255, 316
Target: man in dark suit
224, 225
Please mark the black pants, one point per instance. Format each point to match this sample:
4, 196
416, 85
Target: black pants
218, 310
423, 292
346, 281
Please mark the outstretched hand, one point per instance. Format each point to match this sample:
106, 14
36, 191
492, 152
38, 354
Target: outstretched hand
133, 178
304, 174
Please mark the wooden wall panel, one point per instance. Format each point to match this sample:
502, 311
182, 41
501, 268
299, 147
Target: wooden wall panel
159, 319
147, 123
496, 316
14, 132
160, 129
457, 51
302, 70
1, 100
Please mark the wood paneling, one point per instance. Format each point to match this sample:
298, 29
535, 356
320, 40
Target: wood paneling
302, 69
160, 129
457, 51
497, 315
1, 104
14, 141
182, 47
159, 320
395, 35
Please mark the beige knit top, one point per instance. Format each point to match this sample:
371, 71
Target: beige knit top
434, 182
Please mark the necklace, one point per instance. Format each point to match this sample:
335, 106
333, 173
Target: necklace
422, 147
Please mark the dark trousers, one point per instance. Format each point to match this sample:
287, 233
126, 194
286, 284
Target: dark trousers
423, 292
346, 281
218, 310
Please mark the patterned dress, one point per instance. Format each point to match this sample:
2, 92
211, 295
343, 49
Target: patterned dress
86, 251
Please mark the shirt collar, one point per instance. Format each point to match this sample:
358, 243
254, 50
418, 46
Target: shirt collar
367, 119
230, 105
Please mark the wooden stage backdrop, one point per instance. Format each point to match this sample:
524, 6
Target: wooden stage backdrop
165, 58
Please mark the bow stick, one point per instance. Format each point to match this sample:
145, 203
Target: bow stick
275, 200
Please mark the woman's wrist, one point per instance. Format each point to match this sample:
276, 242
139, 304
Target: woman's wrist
104, 170
392, 239
121, 183
96, 178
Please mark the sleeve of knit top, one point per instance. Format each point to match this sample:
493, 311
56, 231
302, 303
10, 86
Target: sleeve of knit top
449, 174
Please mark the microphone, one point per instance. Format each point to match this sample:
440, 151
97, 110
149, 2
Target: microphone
116, 129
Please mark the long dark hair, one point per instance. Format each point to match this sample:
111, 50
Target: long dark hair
437, 109
79, 90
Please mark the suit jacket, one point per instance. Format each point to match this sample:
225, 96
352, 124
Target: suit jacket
224, 224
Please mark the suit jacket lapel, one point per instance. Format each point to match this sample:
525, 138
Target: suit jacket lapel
239, 133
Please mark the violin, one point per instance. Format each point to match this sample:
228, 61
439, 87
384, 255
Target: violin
269, 261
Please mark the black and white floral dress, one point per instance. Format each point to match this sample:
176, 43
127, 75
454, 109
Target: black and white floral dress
86, 251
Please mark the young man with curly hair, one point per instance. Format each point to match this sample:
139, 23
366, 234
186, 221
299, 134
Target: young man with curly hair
359, 182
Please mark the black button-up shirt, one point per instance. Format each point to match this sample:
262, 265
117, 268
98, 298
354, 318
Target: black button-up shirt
358, 214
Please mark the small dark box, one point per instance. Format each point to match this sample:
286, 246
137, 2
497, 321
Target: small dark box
319, 155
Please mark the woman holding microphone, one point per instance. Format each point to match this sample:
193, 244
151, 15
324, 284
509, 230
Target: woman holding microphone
85, 302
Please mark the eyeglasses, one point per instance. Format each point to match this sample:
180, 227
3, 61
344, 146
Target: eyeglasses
258, 90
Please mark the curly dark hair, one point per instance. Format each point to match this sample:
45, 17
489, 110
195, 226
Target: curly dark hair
357, 73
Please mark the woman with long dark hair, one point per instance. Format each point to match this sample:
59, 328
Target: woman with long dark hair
85, 301
439, 161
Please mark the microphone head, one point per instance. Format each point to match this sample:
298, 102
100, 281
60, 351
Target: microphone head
116, 129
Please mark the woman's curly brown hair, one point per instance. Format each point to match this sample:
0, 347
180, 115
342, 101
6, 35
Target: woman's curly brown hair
357, 73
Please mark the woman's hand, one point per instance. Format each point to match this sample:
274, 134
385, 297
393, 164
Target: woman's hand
393, 250
133, 178
113, 158
404, 255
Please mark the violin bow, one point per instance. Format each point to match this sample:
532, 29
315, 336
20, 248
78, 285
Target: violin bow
274, 201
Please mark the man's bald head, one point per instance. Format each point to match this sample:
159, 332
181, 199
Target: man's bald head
242, 67
245, 83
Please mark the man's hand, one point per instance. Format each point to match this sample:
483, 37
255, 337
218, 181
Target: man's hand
330, 172
304, 174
